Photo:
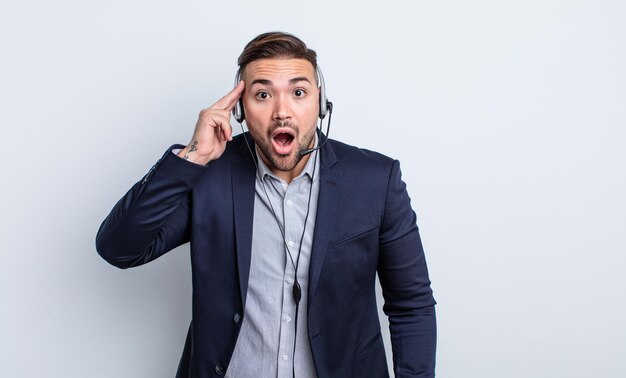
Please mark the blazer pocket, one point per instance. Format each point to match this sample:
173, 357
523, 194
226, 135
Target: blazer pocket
354, 258
357, 236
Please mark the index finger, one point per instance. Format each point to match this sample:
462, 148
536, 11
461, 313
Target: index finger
228, 102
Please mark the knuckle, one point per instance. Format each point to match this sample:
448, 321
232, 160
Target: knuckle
207, 111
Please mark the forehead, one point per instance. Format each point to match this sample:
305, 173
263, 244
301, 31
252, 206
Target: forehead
279, 69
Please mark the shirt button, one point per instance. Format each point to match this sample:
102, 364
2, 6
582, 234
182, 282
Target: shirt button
219, 370
289, 202
285, 357
236, 318
290, 243
287, 318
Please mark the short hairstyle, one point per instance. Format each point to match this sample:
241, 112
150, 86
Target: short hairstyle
277, 45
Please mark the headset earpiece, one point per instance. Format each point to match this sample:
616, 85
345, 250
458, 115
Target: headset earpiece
324, 103
238, 109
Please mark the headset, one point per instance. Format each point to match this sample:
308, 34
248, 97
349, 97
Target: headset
325, 105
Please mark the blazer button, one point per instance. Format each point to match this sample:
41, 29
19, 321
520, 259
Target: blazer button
236, 318
219, 370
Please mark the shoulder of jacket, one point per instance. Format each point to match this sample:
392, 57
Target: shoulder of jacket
350, 155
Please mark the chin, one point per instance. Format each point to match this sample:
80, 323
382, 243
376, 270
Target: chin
285, 163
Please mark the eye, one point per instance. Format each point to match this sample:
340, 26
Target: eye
262, 96
299, 93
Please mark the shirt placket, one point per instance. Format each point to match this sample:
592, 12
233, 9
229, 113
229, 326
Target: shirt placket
292, 239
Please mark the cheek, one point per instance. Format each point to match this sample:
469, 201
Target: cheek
254, 112
310, 110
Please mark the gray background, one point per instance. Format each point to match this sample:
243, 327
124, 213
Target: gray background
508, 118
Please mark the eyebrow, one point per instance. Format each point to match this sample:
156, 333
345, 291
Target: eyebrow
269, 82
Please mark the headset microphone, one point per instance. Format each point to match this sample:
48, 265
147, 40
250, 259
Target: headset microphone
329, 110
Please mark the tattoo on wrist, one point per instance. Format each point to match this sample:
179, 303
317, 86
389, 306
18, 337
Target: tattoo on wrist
194, 147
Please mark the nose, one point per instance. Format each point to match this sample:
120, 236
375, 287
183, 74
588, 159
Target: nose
282, 109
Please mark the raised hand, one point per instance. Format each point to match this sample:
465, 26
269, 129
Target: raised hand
213, 129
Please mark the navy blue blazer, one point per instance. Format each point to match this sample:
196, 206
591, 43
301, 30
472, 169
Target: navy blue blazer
364, 225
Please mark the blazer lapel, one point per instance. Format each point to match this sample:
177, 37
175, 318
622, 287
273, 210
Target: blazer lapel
330, 184
243, 180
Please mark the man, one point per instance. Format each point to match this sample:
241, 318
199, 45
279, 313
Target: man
288, 230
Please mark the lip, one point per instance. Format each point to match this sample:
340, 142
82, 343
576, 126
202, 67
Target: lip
280, 148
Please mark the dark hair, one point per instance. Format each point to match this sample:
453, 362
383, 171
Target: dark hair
275, 45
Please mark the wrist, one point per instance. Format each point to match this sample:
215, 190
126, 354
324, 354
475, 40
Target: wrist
190, 153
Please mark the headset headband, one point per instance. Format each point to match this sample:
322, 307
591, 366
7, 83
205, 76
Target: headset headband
239, 114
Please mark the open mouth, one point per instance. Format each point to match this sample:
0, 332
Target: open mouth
283, 140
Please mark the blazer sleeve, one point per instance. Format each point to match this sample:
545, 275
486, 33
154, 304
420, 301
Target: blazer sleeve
153, 217
403, 275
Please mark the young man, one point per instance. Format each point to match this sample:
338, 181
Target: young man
288, 230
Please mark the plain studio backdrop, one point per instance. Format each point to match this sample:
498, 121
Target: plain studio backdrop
508, 118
